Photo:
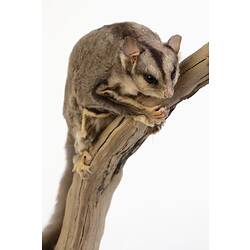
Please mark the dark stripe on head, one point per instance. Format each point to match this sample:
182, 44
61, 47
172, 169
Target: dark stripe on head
157, 55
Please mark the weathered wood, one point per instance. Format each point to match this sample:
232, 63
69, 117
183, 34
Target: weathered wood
89, 199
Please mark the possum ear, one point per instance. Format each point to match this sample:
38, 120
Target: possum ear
130, 51
174, 42
130, 47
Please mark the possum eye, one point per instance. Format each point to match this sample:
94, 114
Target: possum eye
173, 73
150, 79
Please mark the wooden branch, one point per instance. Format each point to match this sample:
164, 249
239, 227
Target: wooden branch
88, 200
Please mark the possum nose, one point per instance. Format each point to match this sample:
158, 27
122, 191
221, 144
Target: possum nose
169, 92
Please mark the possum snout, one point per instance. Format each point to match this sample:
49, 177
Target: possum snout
169, 92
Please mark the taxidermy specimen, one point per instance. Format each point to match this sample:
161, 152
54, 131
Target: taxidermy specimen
113, 71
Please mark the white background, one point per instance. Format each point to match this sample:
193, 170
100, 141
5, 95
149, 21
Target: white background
162, 201
21, 124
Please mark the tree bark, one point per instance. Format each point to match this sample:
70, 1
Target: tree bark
89, 199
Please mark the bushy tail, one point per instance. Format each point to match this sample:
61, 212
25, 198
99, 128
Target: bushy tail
52, 231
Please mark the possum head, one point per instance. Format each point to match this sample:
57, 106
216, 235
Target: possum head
151, 69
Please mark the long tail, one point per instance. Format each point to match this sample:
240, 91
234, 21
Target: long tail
52, 231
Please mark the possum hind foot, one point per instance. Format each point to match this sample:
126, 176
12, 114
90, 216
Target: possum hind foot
82, 164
